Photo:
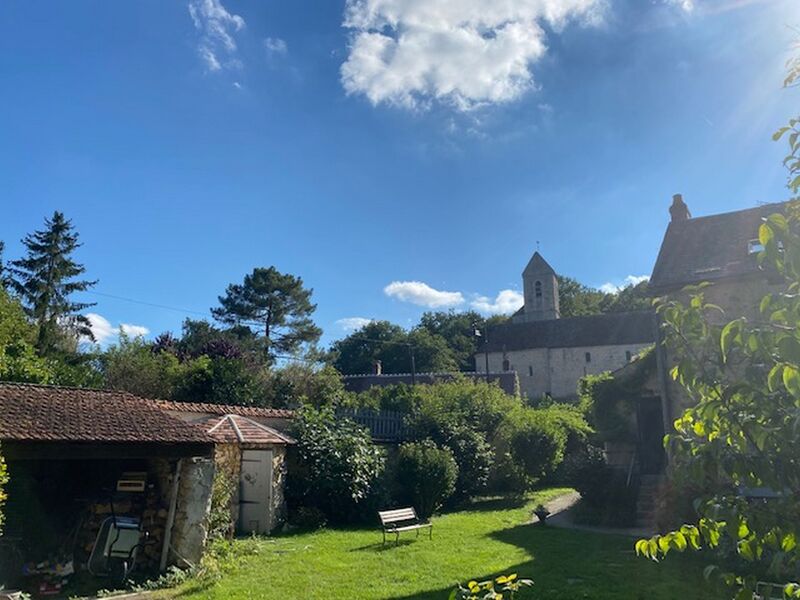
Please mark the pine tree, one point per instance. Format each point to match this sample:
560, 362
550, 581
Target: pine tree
45, 280
278, 303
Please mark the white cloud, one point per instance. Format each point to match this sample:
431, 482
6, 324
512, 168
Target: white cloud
614, 288
466, 54
685, 5
217, 26
505, 303
422, 294
275, 46
105, 332
350, 324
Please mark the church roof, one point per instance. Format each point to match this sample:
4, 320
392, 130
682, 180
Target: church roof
610, 329
709, 248
537, 264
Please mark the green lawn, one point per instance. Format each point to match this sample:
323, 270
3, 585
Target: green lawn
488, 538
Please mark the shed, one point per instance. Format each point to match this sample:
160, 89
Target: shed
253, 455
69, 449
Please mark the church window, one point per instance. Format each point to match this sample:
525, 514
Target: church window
530, 370
588, 357
506, 365
628, 355
537, 287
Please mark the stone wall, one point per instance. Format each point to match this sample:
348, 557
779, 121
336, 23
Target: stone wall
278, 484
556, 371
189, 531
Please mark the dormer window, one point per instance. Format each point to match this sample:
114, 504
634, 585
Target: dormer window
754, 247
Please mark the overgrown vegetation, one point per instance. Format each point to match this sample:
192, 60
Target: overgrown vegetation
425, 476
3, 483
334, 466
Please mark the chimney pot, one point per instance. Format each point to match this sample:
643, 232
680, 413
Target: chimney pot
679, 211
377, 368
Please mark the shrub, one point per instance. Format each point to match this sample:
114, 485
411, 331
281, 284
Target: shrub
426, 475
474, 458
334, 465
307, 517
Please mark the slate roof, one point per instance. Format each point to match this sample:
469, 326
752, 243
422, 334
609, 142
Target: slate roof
63, 414
709, 248
238, 429
359, 383
224, 409
595, 330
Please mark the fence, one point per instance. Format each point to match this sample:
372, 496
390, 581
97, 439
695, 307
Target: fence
383, 425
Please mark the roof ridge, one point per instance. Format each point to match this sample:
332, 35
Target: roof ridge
74, 387
734, 212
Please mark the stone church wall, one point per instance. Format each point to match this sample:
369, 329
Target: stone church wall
556, 371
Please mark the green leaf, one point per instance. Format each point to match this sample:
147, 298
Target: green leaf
791, 380
774, 377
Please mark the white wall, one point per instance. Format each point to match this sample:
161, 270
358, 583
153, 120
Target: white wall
556, 371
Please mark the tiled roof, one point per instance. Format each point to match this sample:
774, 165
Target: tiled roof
612, 329
238, 429
709, 248
62, 414
224, 409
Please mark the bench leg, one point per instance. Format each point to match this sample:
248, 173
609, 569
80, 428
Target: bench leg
417, 532
397, 538
430, 532
384, 537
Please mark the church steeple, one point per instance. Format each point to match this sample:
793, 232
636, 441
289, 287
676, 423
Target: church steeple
540, 286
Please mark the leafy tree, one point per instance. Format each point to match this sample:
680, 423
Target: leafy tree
18, 358
135, 366
277, 304
334, 466
579, 300
576, 299
45, 280
426, 476
304, 384
392, 346
457, 329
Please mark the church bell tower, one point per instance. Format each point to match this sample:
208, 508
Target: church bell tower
540, 287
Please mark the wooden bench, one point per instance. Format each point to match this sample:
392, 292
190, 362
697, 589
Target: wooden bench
402, 519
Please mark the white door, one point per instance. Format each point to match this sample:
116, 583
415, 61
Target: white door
255, 497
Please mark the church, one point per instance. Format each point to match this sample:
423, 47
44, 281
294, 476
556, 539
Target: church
550, 354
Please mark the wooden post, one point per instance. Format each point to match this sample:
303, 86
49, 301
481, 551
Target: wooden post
173, 503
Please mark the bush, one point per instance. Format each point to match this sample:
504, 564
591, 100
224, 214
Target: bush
333, 467
426, 476
307, 517
474, 458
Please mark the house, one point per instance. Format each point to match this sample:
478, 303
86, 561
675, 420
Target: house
719, 249
551, 354
77, 456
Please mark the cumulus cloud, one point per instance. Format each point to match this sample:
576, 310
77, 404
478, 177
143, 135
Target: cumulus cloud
216, 27
615, 288
105, 332
466, 54
422, 294
350, 324
684, 5
505, 303
275, 47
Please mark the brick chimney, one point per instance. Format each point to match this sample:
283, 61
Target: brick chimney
377, 368
679, 211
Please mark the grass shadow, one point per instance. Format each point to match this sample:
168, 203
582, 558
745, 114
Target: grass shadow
489, 504
381, 547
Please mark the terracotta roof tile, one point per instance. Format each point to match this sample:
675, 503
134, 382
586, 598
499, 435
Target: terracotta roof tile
238, 429
224, 409
51, 413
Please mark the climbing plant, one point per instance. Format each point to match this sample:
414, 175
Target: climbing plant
3, 482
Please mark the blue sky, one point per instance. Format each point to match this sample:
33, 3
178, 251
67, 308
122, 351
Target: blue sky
397, 154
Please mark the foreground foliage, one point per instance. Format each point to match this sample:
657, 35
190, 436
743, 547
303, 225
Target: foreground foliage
739, 443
